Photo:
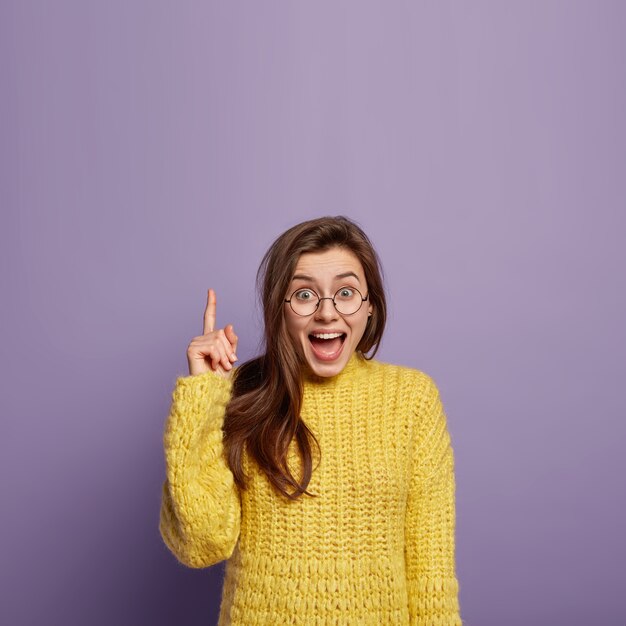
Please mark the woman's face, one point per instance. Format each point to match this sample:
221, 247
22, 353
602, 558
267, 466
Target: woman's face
325, 273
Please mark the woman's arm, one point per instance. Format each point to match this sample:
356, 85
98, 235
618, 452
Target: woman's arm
430, 518
200, 507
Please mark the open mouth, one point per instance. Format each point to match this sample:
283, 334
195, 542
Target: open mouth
327, 345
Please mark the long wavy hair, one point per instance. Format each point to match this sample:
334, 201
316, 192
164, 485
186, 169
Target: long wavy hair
263, 414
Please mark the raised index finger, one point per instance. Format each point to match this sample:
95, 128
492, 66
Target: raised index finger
209, 313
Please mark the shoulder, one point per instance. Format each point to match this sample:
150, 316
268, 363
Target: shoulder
411, 393
419, 384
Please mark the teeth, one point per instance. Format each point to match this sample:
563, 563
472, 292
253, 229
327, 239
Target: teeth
327, 335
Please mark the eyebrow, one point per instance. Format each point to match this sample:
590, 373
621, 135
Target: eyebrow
344, 275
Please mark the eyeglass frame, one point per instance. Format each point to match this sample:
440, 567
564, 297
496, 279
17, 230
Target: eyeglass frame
327, 298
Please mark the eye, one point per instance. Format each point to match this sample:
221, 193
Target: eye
345, 292
305, 294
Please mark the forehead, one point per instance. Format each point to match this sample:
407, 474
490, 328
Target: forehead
329, 263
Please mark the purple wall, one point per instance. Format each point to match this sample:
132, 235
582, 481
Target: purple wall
150, 150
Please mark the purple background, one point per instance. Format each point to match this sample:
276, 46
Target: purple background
151, 150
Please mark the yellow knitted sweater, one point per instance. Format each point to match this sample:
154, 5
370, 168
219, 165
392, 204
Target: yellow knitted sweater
377, 546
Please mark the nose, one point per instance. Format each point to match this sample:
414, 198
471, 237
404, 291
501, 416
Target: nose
326, 310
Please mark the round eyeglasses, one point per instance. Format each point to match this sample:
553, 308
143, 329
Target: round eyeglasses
347, 301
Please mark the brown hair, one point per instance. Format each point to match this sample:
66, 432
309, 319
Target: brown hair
264, 410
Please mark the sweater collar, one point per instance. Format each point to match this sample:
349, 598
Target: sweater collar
352, 368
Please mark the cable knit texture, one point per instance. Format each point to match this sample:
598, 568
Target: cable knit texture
377, 546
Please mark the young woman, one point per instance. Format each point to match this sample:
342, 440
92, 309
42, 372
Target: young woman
356, 529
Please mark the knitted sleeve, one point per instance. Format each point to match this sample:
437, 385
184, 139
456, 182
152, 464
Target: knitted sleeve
200, 505
430, 518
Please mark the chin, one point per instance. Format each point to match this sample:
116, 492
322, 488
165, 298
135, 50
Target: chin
325, 371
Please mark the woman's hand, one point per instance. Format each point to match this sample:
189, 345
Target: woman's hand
214, 349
